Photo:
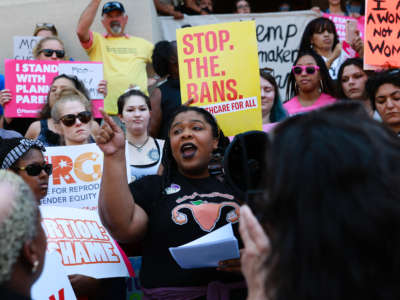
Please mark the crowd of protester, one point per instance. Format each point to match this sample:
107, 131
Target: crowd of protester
326, 220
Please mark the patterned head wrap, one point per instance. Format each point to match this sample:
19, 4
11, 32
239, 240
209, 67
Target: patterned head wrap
12, 150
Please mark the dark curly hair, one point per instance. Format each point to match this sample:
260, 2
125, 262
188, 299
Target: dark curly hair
333, 207
163, 53
168, 160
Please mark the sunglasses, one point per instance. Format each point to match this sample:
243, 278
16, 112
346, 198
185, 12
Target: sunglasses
47, 25
267, 71
70, 119
49, 53
36, 169
308, 69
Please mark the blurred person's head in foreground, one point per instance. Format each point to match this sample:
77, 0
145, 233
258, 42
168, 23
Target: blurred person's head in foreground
22, 239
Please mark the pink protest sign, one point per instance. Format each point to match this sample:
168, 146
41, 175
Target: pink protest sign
29, 83
340, 24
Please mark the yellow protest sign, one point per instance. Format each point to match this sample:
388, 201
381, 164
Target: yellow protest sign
218, 68
382, 33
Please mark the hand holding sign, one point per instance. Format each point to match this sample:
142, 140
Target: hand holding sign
110, 137
5, 96
102, 88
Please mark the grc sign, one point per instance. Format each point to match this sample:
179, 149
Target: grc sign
76, 177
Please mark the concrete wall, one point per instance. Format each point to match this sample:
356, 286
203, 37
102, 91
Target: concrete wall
18, 17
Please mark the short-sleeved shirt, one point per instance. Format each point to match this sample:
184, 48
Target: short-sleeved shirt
190, 209
294, 107
124, 62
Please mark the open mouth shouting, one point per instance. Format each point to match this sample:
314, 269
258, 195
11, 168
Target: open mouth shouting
188, 150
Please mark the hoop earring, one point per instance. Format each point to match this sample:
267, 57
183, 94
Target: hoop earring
35, 266
322, 85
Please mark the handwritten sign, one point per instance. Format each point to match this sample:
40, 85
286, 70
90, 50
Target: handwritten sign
90, 74
382, 33
29, 82
215, 74
76, 177
84, 244
53, 283
24, 45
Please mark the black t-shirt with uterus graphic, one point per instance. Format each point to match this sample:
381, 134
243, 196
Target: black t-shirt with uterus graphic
190, 209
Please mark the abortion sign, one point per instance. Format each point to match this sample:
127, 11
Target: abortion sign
76, 177
84, 244
53, 283
214, 74
382, 33
278, 36
29, 82
340, 24
24, 45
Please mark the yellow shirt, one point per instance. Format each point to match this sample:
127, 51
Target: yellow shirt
124, 62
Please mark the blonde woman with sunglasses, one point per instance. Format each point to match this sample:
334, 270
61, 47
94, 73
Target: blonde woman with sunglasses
48, 49
72, 114
309, 84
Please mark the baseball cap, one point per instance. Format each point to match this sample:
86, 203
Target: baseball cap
112, 5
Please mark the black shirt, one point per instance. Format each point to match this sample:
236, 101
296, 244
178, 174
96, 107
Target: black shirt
190, 209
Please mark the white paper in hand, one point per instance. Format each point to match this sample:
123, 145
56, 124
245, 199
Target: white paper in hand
208, 250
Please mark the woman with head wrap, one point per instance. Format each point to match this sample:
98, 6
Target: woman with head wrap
25, 157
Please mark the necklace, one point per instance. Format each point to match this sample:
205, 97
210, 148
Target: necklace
140, 147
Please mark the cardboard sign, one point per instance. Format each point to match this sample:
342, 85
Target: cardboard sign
90, 74
29, 82
53, 283
340, 24
76, 177
278, 36
84, 244
382, 33
24, 45
218, 67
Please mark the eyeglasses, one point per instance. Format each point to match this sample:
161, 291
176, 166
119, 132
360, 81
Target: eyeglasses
47, 25
36, 169
70, 119
49, 53
308, 69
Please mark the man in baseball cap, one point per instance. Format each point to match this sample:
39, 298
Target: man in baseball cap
124, 57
